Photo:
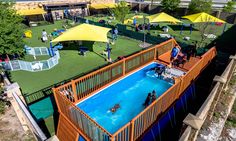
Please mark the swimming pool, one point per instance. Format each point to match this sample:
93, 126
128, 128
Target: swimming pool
130, 93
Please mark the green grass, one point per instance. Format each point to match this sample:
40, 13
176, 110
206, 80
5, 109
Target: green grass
70, 63
30, 58
49, 123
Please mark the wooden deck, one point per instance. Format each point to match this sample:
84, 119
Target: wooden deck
165, 58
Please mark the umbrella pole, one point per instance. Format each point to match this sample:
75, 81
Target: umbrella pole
144, 38
191, 28
108, 52
51, 50
181, 30
224, 27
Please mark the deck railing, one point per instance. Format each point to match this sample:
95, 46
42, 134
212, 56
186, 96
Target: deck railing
148, 116
80, 119
69, 94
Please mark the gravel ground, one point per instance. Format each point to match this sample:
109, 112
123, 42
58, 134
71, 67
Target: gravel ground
11, 129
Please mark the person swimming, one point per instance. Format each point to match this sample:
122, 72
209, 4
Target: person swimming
114, 108
148, 100
153, 98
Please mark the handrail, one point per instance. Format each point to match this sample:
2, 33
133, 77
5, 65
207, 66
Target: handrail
83, 113
118, 131
157, 100
99, 70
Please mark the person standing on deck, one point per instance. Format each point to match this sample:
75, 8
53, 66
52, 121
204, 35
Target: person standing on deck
174, 54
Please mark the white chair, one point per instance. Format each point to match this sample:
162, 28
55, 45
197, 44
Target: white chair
165, 35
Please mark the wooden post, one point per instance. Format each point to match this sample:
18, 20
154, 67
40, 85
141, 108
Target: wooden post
74, 90
132, 130
123, 67
155, 53
112, 138
55, 95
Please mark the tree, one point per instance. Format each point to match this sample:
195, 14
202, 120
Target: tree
11, 30
120, 11
197, 6
170, 5
229, 7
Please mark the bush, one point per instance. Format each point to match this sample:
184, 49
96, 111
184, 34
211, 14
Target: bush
2, 107
170, 5
229, 7
120, 11
197, 6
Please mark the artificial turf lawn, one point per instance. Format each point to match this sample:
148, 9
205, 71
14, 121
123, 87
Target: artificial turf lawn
30, 58
174, 29
70, 63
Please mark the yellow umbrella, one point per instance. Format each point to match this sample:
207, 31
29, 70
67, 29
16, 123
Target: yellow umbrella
162, 17
84, 32
202, 17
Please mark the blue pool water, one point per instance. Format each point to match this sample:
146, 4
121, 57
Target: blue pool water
129, 92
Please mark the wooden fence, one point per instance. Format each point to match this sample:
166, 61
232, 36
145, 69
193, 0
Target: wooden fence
69, 94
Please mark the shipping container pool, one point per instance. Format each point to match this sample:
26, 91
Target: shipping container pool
130, 93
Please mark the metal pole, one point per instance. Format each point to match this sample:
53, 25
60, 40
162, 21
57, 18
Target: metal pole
52, 53
182, 28
144, 35
108, 51
191, 28
224, 28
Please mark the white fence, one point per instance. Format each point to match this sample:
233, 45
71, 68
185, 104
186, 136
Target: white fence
35, 65
36, 51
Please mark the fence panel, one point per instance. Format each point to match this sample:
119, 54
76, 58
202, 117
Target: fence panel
208, 56
123, 134
71, 132
134, 62
147, 117
44, 51
67, 91
80, 119
45, 65
15, 65
164, 47
94, 81
37, 51
33, 66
